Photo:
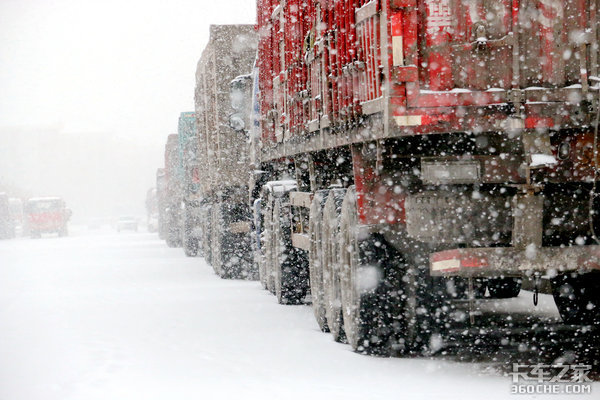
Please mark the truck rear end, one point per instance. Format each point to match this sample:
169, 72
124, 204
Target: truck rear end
47, 215
189, 176
445, 148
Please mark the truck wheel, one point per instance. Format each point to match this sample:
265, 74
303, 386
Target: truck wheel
577, 297
215, 230
363, 287
206, 235
171, 240
190, 243
235, 256
331, 278
269, 247
265, 243
290, 275
315, 257
190, 246
504, 288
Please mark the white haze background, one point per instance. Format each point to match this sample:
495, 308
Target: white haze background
89, 91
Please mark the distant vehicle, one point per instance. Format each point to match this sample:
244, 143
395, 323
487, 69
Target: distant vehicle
152, 210
15, 206
7, 223
173, 197
161, 199
47, 215
127, 223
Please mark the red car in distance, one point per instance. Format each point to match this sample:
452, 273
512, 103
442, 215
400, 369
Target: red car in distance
47, 215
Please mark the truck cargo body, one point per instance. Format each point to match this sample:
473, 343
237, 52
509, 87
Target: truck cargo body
223, 165
173, 192
7, 222
161, 199
441, 149
188, 176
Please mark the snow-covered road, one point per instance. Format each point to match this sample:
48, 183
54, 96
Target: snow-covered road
101, 315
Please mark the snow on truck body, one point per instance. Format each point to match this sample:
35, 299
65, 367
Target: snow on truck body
435, 142
222, 106
172, 191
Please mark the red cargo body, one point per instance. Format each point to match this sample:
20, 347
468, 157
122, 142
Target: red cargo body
422, 62
421, 67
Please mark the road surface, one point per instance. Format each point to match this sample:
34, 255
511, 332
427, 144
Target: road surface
102, 315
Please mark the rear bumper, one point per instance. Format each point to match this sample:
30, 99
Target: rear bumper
509, 261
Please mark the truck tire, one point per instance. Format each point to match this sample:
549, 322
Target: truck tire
64, 231
190, 246
363, 287
289, 269
331, 276
577, 297
216, 243
235, 256
171, 240
315, 259
206, 234
280, 250
271, 249
504, 288
267, 246
262, 252
190, 243
421, 306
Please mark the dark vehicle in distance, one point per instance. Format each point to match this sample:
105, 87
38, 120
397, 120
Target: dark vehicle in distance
47, 215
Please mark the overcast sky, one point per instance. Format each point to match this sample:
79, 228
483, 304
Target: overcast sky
119, 69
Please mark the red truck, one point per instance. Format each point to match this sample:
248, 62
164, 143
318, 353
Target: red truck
47, 215
442, 150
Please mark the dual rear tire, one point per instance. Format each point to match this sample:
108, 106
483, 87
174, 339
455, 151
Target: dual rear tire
364, 291
282, 267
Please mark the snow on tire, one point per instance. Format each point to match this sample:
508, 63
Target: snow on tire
315, 259
331, 281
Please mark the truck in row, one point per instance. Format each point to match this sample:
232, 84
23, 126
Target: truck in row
204, 183
402, 161
38, 215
